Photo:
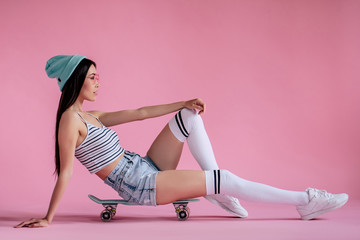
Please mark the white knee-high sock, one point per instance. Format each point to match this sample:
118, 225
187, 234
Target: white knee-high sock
187, 124
225, 182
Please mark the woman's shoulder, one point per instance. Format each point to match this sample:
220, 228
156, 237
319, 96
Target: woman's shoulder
70, 118
70, 128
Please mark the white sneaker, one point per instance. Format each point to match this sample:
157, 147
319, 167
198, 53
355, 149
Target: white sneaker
230, 204
321, 202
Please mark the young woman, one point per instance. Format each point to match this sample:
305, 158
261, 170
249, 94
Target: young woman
151, 180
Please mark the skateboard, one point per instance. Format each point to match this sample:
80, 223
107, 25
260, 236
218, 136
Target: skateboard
181, 209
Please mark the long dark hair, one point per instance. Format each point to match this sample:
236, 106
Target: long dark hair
68, 97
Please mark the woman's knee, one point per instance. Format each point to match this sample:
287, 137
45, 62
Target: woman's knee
183, 122
189, 118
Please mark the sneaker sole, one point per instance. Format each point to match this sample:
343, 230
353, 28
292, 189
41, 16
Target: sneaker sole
315, 214
232, 212
213, 201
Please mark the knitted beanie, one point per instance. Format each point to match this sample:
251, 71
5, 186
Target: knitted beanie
61, 67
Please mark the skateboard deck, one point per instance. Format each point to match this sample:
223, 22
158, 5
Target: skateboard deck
110, 205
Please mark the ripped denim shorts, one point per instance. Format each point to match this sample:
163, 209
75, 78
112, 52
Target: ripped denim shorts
134, 178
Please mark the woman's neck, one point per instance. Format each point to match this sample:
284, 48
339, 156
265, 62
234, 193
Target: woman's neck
77, 106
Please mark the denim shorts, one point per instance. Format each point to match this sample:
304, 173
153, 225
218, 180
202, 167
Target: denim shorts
134, 178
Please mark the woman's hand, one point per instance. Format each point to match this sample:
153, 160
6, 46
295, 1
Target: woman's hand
197, 104
34, 222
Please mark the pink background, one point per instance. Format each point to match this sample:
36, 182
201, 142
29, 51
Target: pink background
280, 79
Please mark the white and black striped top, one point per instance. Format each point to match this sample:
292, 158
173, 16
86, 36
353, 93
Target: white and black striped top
100, 147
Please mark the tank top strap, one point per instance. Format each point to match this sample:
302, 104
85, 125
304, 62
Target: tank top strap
82, 119
96, 119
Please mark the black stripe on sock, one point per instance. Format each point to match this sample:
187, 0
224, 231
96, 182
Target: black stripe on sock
183, 123
178, 123
219, 181
215, 182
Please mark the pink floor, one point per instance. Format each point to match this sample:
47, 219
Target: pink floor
206, 222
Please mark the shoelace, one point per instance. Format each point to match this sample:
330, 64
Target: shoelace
320, 193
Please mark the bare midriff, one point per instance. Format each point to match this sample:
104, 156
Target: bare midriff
104, 173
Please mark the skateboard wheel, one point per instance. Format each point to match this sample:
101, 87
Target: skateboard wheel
111, 209
106, 215
183, 215
188, 210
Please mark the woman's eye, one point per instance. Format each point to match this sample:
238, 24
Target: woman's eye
92, 78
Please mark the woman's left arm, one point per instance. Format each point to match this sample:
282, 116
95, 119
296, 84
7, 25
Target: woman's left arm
124, 116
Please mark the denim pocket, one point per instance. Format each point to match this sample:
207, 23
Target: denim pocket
129, 182
147, 163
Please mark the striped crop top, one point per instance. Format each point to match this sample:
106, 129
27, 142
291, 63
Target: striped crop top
100, 147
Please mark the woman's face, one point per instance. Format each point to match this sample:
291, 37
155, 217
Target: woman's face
91, 85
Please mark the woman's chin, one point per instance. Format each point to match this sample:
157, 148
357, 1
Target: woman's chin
92, 99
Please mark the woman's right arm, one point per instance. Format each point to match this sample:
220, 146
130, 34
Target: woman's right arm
68, 135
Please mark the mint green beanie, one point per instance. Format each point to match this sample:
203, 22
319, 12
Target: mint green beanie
61, 67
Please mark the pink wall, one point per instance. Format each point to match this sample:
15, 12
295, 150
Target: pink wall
280, 78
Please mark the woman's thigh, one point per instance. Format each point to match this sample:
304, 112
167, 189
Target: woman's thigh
166, 150
175, 185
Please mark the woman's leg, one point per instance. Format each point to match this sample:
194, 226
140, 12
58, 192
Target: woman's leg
172, 185
167, 147
188, 125
175, 185
166, 150
309, 204
225, 182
